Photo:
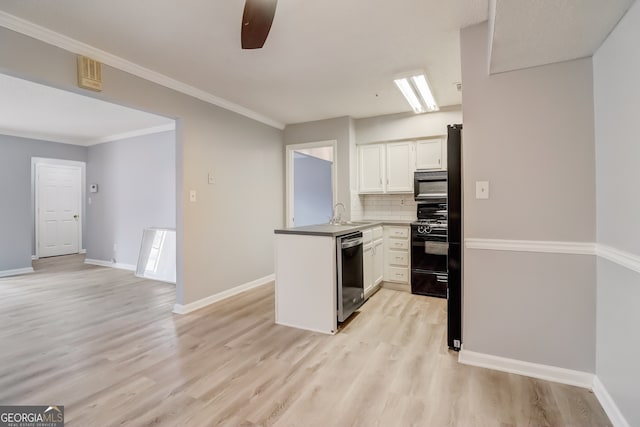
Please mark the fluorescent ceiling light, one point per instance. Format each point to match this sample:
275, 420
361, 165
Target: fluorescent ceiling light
409, 94
420, 82
417, 93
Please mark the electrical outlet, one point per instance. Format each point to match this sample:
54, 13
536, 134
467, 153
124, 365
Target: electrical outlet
192, 196
210, 178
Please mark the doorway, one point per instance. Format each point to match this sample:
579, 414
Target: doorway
311, 183
58, 200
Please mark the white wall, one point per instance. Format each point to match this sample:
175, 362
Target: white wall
245, 156
406, 126
136, 180
617, 113
530, 134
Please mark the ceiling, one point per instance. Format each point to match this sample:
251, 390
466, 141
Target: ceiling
37, 111
322, 59
532, 33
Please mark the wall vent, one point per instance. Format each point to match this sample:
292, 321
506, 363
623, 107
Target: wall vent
89, 73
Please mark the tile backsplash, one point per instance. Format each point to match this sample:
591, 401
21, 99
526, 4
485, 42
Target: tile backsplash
383, 206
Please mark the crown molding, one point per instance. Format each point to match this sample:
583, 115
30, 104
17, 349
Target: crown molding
133, 133
48, 36
42, 137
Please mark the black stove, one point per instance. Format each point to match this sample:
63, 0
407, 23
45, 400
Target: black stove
429, 250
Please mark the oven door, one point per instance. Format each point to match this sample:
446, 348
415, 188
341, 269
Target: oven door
429, 255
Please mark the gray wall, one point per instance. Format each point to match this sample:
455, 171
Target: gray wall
137, 189
312, 190
617, 112
339, 129
17, 209
221, 243
530, 134
405, 126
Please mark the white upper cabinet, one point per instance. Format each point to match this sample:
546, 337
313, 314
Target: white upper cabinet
430, 154
400, 167
371, 169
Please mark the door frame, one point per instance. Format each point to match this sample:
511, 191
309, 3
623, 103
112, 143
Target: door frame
35, 193
290, 149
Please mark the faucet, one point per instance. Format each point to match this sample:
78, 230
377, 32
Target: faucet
337, 217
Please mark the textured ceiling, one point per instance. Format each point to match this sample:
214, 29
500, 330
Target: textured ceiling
37, 111
322, 59
532, 33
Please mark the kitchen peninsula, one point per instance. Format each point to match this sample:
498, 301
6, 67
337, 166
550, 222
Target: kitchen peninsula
306, 266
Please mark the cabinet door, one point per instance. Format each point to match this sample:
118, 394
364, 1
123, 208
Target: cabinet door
429, 154
370, 168
367, 266
400, 167
378, 261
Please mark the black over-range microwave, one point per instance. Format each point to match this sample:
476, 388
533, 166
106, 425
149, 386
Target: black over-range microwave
430, 186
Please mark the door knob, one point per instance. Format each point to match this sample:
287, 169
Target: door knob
75, 216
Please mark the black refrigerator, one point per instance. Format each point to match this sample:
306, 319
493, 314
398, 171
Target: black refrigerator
454, 184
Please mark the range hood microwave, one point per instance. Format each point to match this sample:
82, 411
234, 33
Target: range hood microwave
430, 186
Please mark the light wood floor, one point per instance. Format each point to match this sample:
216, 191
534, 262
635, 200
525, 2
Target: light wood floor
105, 344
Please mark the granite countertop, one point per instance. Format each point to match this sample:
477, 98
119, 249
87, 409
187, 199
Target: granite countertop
329, 229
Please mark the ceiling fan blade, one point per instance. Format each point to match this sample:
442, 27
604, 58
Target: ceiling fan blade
256, 22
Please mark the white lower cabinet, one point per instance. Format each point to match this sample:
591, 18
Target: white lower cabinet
373, 259
396, 254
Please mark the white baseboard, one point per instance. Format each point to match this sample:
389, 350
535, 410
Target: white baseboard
82, 251
196, 305
110, 264
534, 370
608, 404
34, 257
16, 272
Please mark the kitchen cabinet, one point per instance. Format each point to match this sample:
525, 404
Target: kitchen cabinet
386, 168
396, 254
371, 169
373, 259
399, 162
430, 154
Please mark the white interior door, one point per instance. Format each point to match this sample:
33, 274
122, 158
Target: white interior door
58, 213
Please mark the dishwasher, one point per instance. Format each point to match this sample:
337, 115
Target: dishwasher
350, 274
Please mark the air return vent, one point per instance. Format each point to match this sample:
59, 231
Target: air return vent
89, 73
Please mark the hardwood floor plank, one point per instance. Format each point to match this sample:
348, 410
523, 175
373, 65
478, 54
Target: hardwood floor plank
105, 344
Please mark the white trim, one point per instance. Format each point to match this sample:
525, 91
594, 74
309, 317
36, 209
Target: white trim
16, 272
623, 258
290, 149
201, 303
608, 404
34, 257
520, 367
82, 251
48, 36
101, 263
36, 162
576, 248
72, 140
133, 133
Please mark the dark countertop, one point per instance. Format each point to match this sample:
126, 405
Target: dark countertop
328, 229
338, 230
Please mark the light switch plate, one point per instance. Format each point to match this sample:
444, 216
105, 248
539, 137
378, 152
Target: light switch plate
210, 178
482, 189
192, 196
